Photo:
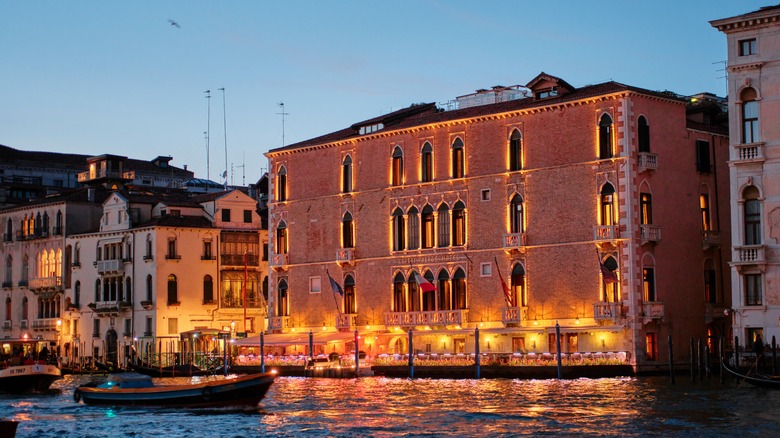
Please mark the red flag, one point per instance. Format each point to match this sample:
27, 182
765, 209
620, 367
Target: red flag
609, 276
424, 284
507, 291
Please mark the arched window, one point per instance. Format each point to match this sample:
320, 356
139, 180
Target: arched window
281, 184
611, 288
128, 290
445, 291
148, 247
704, 207
8, 315
45, 224
710, 277
645, 208
9, 265
350, 304
459, 289
414, 228
399, 303
515, 150
77, 294
516, 215
643, 134
58, 224
458, 159
648, 284
459, 224
281, 238
9, 229
518, 286
25, 308
397, 177
752, 218
428, 297
282, 299
444, 225
173, 290
427, 227
346, 174
398, 230
149, 288
605, 137
208, 289
25, 269
427, 162
98, 289
607, 205
749, 116
347, 231
414, 293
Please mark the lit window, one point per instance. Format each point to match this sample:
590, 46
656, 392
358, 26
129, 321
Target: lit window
515, 151
398, 230
651, 346
458, 159
608, 205
444, 225
748, 47
427, 227
611, 288
281, 185
648, 284
518, 286
398, 167
399, 302
346, 175
459, 224
605, 137
704, 206
281, 238
646, 208
459, 289
445, 290
427, 162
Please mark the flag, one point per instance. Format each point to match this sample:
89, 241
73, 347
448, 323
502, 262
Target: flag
424, 284
609, 276
507, 291
334, 285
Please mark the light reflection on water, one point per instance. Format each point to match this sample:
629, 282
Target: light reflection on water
422, 407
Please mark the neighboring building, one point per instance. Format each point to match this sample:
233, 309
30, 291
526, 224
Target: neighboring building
36, 262
27, 175
162, 264
538, 187
753, 42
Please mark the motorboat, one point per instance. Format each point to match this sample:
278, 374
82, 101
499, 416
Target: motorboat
139, 389
23, 367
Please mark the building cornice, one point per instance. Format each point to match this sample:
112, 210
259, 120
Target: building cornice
742, 22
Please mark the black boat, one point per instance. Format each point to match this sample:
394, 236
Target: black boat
754, 378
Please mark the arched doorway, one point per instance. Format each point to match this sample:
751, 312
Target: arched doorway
111, 347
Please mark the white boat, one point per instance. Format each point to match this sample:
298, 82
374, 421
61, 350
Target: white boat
21, 369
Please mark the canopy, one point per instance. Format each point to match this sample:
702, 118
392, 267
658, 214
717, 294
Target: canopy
299, 338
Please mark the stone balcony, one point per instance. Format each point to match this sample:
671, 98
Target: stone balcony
45, 324
649, 233
279, 323
749, 153
710, 239
514, 240
429, 318
514, 316
606, 311
345, 256
652, 310
746, 255
605, 232
279, 262
110, 267
346, 322
46, 283
647, 162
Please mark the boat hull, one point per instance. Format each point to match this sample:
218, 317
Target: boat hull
28, 378
755, 379
245, 390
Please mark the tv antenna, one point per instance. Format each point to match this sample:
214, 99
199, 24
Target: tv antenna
224, 128
208, 132
243, 170
281, 104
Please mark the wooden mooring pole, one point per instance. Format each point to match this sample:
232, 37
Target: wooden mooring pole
671, 359
722, 358
411, 356
476, 352
693, 361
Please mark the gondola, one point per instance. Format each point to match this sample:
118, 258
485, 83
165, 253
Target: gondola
139, 390
754, 378
171, 371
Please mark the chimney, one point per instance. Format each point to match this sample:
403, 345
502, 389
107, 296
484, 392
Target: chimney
91, 194
185, 167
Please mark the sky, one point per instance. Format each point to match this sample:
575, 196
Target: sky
110, 77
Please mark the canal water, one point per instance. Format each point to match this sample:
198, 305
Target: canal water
376, 406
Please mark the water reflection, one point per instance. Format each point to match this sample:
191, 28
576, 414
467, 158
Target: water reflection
391, 407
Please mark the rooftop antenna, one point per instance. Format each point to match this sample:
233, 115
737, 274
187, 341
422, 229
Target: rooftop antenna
224, 126
208, 132
243, 170
281, 104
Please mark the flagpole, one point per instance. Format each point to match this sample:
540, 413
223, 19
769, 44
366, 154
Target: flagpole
334, 295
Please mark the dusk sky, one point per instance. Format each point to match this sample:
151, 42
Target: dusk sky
107, 77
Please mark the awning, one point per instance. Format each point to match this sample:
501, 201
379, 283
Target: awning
285, 339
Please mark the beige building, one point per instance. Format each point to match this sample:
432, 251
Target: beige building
753, 42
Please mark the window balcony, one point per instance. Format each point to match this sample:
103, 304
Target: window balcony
346, 322
102, 173
208, 257
710, 239
110, 267
649, 233
45, 324
345, 256
514, 316
7, 325
23, 324
8, 237
172, 257
713, 311
46, 283
148, 258
240, 259
604, 311
749, 153
147, 304
279, 323
436, 317
647, 162
279, 262
514, 240
652, 311
23, 283
605, 232
748, 255
56, 231
110, 307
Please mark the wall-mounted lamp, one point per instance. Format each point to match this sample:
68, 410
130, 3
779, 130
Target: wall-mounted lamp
603, 344
533, 345
577, 321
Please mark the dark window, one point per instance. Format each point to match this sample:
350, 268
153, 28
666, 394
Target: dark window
516, 215
648, 284
282, 308
427, 162
281, 185
646, 208
515, 151
703, 163
149, 288
399, 303
644, 135
172, 249
398, 167
445, 291
753, 295
413, 228
247, 216
710, 293
459, 288
752, 217
350, 305
77, 294
749, 116
605, 137
458, 159
173, 290
347, 231
748, 47
225, 215
429, 297
459, 224
427, 227
208, 289
398, 230
611, 289
444, 225
346, 175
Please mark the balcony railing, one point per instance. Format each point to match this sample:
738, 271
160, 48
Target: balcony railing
514, 316
238, 259
749, 255
23, 324
44, 324
99, 173
749, 152
604, 311
514, 240
278, 323
649, 233
7, 284
110, 266
345, 255
42, 283
346, 321
647, 161
7, 325
110, 307
710, 239
37, 233
437, 317
605, 232
172, 257
278, 261
652, 310
8, 237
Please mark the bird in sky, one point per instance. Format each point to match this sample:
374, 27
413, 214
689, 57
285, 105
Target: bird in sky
173, 23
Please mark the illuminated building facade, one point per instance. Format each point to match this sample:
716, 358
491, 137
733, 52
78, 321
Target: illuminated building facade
537, 187
754, 168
